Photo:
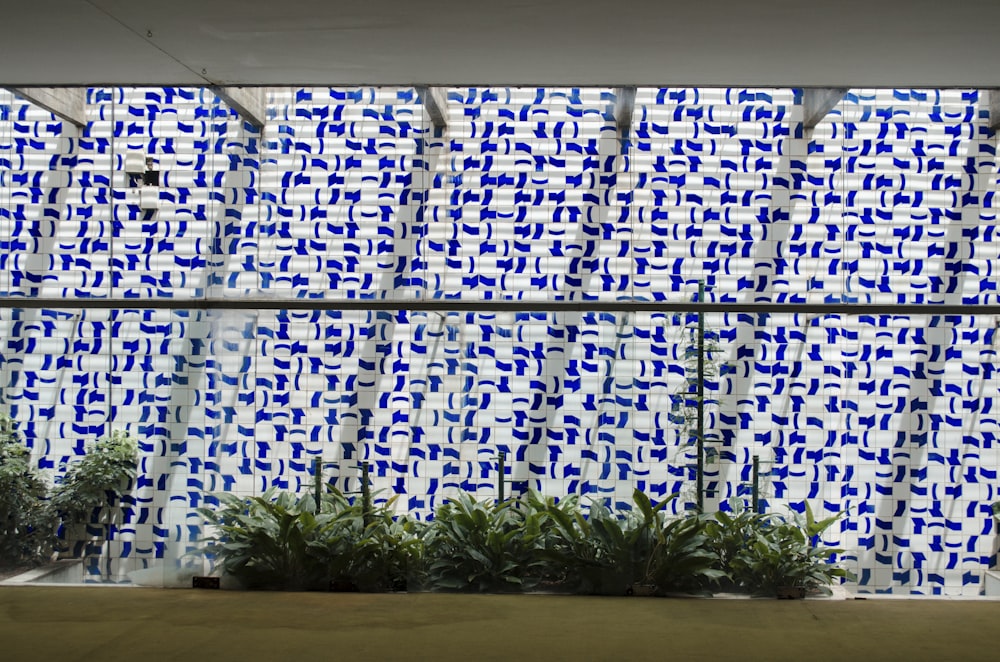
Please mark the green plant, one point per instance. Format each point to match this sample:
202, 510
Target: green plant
620, 547
26, 520
388, 553
680, 560
93, 483
282, 541
605, 553
577, 551
576, 547
728, 533
761, 553
276, 541
701, 365
482, 546
569, 550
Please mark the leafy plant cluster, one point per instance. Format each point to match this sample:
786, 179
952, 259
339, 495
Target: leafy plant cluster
529, 543
607, 552
34, 519
26, 521
101, 474
284, 541
684, 401
761, 553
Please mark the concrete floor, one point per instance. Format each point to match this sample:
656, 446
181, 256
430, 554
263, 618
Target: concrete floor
106, 624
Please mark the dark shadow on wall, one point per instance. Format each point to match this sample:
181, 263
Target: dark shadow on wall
32, 265
918, 445
544, 413
772, 262
38, 272
196, 413
377, 354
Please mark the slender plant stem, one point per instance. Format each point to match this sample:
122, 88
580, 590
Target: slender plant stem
701, 402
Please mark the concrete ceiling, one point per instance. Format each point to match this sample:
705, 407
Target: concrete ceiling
838, 43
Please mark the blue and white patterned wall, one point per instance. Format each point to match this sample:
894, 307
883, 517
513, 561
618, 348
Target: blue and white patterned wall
528, 196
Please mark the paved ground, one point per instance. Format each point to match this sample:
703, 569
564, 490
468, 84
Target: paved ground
109, 624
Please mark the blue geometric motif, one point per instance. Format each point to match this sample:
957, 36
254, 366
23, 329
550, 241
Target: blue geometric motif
529, 195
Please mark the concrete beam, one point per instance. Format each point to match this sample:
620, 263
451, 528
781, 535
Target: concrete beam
818, 102
624, 107
993, 103
249, 102
67, 103
435, 101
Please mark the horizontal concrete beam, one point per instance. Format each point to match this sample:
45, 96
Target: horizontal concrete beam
67, 103
435, 101
624, 107
249, 102
818, 102
993, 103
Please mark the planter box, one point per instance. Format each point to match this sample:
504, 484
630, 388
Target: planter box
61, 572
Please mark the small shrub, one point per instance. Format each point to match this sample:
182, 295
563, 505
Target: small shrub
574, 557
600, 552
728, 534
275, 541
